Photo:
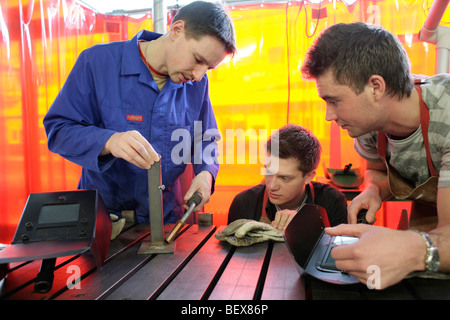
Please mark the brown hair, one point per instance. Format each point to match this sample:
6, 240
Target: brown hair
205, 18
296, 142
355, 52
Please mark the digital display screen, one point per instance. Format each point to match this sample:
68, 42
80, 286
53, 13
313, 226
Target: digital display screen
57, 213
338, 240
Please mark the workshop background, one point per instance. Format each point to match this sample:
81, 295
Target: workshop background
258, 90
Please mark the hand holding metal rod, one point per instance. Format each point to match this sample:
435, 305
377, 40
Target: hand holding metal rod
192, 203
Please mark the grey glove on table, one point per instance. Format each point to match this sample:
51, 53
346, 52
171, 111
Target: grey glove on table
245, 232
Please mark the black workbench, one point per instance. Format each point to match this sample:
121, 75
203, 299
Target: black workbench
201, 268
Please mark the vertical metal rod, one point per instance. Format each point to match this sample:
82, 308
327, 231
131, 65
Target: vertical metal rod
159, 16
155, 204
156, 244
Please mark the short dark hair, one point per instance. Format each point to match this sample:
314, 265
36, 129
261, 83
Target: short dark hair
296, 142
205, 18
355, 52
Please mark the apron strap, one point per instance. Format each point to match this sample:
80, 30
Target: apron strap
381, 144
264, 204
323, 213
424, 121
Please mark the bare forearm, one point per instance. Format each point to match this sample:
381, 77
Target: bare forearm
376, 189
377, 181
441, 235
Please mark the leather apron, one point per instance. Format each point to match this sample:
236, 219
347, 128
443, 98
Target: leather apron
423, 211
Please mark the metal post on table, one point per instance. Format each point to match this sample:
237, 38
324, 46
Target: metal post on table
155, 187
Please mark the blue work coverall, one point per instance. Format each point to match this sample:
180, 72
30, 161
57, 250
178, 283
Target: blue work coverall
111, 90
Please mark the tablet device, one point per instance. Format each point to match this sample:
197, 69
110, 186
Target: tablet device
311, 247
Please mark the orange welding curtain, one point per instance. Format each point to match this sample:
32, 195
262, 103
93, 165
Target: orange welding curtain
260, 89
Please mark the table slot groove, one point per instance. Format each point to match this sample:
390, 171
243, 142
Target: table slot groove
218, 274
180, 267
108, 291
262, 276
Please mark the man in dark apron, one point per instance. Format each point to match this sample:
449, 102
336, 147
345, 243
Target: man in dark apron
424, 196
402, 129
293, 154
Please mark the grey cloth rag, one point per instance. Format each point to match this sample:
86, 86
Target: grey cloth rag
245, 232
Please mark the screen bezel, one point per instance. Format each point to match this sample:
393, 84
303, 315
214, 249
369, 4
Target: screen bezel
30, 229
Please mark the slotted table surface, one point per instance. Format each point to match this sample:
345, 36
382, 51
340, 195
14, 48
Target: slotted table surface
201, 268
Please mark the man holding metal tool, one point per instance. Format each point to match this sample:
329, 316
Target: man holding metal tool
116, 114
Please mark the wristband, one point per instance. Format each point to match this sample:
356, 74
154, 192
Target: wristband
432, 257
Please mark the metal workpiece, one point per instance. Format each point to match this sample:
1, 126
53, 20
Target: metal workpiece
155, 187
155, 203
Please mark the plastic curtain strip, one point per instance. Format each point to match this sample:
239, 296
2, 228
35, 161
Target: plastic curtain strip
40, 42
260, 89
